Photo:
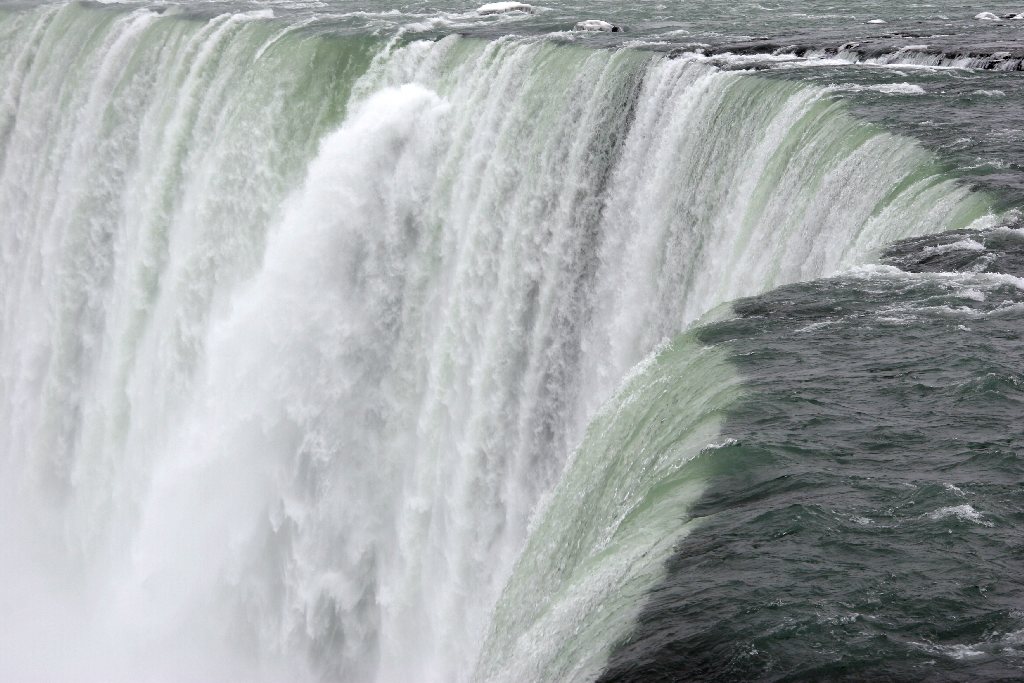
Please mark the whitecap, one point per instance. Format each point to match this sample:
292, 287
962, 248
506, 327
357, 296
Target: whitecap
595, 25
720, 445
503, 7
964, 512
972, 294
961, 245
956, 651
898, 89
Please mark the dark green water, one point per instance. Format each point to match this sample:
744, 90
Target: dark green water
863, 522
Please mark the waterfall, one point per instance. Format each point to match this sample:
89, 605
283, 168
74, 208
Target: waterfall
299, 330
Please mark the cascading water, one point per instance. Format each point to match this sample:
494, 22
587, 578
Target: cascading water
299, 330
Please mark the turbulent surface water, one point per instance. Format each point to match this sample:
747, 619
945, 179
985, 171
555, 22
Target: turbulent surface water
861, 522
346, 343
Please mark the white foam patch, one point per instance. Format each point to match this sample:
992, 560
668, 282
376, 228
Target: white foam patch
732, 59
594, 25
719, 445
955, 311
430, 24
961, 245
972, 294
957, 651
897, 319
964, 512
814, 326
885, 88
1012, 232
996, 645
638, 44
503, 7
898, 89
967, 280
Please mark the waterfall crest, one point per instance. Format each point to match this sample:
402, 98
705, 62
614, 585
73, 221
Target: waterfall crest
297, 330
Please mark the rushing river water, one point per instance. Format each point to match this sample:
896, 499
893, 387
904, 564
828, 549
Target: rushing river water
399, 343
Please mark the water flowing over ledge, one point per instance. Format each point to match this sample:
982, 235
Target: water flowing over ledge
748, 55
298, 331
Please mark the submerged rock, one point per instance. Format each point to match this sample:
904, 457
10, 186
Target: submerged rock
596, 25
503, 7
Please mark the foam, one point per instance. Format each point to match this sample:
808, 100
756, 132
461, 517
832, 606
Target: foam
956, 651
503, 7
972, 294
952, 279
720, 445
960, 245
595, 25
887, 88
963, 512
